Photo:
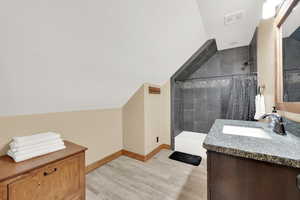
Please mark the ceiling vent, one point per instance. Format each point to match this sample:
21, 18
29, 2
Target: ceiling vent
234, 18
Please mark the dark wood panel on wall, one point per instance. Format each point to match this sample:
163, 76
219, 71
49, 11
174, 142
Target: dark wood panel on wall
234, 178
154, 90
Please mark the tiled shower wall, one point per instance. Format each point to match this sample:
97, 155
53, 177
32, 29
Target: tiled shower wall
206, 93
203, 102
226, 62
178, 109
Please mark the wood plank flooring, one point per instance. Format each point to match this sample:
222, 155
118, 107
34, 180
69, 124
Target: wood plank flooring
157, 179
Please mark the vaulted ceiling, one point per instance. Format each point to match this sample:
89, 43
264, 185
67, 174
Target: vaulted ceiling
66, 55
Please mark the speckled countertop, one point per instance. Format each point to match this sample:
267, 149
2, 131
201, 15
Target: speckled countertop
282, 150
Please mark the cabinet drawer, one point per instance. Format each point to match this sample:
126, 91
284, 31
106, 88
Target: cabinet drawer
234, 178
57, 181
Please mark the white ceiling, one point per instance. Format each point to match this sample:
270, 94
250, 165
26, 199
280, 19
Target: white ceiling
66, 55
239, 34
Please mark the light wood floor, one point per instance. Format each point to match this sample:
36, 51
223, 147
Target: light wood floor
158, 179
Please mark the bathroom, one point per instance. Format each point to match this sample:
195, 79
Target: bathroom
150, 100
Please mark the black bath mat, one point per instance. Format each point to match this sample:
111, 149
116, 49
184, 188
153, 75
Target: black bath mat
186, 158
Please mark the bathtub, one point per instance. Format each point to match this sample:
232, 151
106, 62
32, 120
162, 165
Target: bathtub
191, 142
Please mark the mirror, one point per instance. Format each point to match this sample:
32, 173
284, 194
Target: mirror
291, 56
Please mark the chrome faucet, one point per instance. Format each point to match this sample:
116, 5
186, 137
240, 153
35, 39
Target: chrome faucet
276, 123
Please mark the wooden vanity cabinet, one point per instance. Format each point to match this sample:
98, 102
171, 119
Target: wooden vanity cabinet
235, 178
56, 176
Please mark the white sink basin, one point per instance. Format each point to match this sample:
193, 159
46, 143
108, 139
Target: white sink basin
245, 131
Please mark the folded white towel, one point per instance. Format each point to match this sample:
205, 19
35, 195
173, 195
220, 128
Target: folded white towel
38, 136
33, 150
19, 158
38, 145
260, 107
24, 141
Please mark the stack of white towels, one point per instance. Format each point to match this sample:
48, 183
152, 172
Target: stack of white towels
26, 147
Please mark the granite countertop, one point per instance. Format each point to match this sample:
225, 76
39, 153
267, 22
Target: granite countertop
282, 150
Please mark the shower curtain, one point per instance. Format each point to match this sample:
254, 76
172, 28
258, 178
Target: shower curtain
205, 100
241, 104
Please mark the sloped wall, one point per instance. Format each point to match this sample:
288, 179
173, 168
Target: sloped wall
73, 55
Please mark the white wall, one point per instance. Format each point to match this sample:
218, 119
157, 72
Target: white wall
133, 118
266, 66
65, 55
147, 116
266, 61
157, 114
98, 130
153, 118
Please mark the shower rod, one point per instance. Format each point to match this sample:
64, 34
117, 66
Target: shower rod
219, 76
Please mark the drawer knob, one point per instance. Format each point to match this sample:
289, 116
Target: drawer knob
298, 181
49, 173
